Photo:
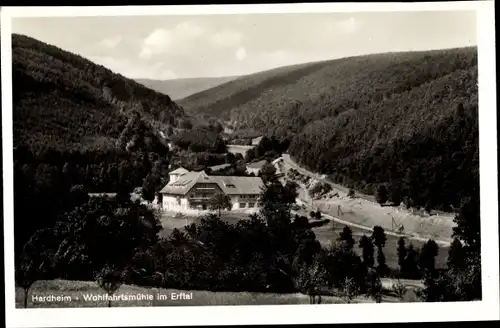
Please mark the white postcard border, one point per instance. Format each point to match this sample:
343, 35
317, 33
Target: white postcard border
487, 309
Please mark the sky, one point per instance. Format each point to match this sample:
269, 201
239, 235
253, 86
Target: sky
170, 47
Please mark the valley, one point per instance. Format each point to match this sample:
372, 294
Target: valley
369, 171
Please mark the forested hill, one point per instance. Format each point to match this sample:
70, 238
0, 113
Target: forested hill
181, 88
80, 128
62, 100
408, 119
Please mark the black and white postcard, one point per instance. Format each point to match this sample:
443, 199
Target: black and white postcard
249, 164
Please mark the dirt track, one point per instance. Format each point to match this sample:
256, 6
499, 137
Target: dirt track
363, 212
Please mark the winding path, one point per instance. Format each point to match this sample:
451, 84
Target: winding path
288, 161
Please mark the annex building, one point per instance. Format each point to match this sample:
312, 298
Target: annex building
191, 192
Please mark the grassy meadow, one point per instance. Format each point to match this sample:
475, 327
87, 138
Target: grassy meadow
77, 289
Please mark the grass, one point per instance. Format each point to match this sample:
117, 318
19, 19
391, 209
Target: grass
75, 290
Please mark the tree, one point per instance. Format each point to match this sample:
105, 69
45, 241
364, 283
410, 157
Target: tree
382, 267
382, 194
411, 262
220, 202
35, 262
317, 215
310, 279
350, 290
250, 155
78, 195
374, 285
110, 279
396, 194
467, 227
26, 274
150, 186
379, 238
427, 258
346, 235
400, 290
366, 245
351, 193
402, 254
267, 172
456, 255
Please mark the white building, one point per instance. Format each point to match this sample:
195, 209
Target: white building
255, 167
191, 192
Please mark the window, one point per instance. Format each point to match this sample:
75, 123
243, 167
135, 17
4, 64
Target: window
243, 205
251, 204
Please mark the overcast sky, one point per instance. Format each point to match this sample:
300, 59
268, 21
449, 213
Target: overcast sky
167, 47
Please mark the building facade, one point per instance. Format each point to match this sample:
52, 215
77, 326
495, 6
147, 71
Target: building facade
192, 192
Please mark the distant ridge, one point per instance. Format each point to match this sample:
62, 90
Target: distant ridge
181, 88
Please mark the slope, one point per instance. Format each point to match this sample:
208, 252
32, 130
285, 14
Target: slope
63, 100
181, 88
405, 119
78, 128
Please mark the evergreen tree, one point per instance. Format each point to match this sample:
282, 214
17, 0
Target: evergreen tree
367, 248
411, 262
456, 255
346, 235
382, 194
402, 252
427, 258
379, 239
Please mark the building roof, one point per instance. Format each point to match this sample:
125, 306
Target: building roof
230, 185
255, 141
185, 182
219, 167
179, 171
257, 165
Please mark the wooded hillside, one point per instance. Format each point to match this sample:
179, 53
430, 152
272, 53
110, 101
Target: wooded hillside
62, 100
404, 119
79, 128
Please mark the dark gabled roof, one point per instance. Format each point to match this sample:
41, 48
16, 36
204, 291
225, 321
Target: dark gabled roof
230, 185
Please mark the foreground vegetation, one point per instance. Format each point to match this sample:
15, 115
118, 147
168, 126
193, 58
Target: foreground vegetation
116, 241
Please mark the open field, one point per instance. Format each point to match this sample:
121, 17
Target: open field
363, 210
238, 149
74, 292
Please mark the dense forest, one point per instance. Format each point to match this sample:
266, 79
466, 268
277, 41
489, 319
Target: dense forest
61, 99
78, 124
406, 122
